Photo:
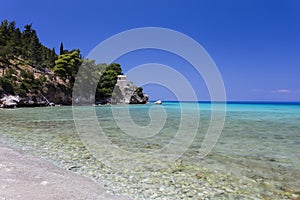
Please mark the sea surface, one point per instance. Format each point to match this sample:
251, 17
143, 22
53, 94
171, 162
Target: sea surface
260, 142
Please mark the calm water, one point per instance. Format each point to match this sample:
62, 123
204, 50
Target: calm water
258, 140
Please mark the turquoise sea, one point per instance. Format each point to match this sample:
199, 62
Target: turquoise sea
260, 142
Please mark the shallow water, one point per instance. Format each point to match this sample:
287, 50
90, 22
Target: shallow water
259, 142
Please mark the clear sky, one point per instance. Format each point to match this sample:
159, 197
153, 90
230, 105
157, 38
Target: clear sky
254, 43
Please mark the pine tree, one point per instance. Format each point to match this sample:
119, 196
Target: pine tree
35, 50
6, 43
67, 65
17, 42
61, 49
26, 40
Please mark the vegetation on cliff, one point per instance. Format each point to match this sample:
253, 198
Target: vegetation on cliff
33, 71
23, 47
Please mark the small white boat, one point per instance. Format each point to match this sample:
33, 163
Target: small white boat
158, 102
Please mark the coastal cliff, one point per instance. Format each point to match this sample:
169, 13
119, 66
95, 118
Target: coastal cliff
32, 74
125, 92
54, 91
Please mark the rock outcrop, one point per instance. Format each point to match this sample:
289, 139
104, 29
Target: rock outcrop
13, 101
136, 99
32, 101
54, 93
9, 101
58, 94
126, 92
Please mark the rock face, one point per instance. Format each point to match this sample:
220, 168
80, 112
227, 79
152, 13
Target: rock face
58, 94
32, 101
136, 99
13, 101
9, 101
52, 94
126, 92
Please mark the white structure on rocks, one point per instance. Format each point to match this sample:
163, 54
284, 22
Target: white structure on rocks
126, 87
122, 78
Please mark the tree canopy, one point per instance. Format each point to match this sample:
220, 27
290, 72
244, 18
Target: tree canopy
67, 65
24, 45
108, 81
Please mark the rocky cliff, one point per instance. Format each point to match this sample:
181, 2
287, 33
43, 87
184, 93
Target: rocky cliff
125, 92
53, 91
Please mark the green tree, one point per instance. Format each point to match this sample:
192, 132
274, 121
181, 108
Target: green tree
6, 85
35, 50
5, 57
26, 44
32, 48
108, 81
61, 49
6, 44
26, 40
114, 67
16, 37
139, 92
86, 81
67, 65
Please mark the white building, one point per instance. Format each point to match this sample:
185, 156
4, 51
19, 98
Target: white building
127, 88
122, 78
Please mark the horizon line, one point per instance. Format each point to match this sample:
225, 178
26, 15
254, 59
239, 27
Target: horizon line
234, 102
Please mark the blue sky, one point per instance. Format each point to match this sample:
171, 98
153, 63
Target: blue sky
255, 43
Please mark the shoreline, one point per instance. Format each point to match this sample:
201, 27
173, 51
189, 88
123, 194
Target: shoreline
29, 177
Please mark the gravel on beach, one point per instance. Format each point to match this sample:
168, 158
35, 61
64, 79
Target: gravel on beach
28, 178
